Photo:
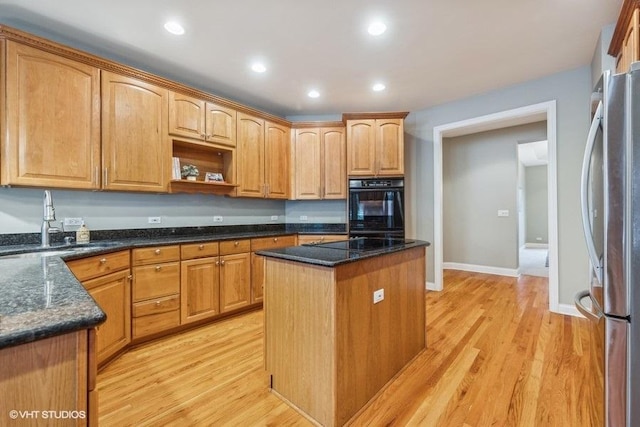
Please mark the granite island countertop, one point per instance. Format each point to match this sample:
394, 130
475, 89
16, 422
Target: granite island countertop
336, 253
41, 298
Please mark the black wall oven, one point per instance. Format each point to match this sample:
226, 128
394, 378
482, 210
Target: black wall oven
376, 207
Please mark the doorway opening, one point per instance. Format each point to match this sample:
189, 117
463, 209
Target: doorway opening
529, 114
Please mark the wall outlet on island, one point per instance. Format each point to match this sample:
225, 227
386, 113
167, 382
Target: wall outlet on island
378, 295
218, 218
154, 220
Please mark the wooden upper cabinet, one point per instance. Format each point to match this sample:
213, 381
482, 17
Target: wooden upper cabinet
136, 153
375, 147
390, 147
220, 124
250, 160
308, 167
334, 163
320, 163
262, 158
194, 118
361, 146
51, 121
625, 42
277, 143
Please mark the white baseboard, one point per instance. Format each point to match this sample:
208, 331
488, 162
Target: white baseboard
569, 310
510, 272
432, 287
536, 245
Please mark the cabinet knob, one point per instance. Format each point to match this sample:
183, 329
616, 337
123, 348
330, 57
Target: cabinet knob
158, 268
157, 303
236, 243
130, 277
203, 136
322, 238
157, 251
201, 247
275, 239
217, 262
103, 260
222, 262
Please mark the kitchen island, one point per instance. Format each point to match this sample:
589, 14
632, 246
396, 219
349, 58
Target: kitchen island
341, 320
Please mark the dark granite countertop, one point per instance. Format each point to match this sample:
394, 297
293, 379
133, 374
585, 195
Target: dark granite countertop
325, 255
40, 297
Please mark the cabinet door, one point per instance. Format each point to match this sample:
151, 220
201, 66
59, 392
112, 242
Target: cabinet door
235, 281
52, 135
199, 289
361, 147
220, 124
186, 116
389, 147
307, 158
334, 163
277, 143
136, 153
113, 294
250, 152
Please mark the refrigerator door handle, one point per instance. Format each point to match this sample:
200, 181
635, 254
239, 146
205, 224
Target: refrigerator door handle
595, 314
584, 192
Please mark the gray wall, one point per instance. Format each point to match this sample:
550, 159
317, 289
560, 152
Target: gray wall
601, 60
316, 211
21, 209
536, 194
571, 91
480, 177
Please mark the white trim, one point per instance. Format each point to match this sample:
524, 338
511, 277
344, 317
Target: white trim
548, 108
500, 271
432, 287
569, 310
536, 246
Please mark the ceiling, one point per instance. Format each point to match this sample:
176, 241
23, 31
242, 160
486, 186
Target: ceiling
433, 52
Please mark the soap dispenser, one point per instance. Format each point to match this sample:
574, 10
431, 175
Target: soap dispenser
82, 235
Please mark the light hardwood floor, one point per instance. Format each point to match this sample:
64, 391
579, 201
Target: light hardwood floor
495, 356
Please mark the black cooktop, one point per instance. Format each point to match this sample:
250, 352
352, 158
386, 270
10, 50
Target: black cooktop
364, 244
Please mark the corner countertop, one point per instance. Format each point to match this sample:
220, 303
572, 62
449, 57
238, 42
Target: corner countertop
41, 298
321, 254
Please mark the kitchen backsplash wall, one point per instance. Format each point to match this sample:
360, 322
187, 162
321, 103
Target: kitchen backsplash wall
316, 211
21, 210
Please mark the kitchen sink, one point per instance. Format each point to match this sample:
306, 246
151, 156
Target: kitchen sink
40, 252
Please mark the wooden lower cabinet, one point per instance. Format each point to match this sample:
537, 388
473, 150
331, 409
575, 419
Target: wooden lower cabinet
235, 281
51, 374
156, 290
113, 294
199, 289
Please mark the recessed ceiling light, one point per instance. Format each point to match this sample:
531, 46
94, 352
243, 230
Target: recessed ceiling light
377, 28
313, 93
378, 87
174, 28
258, 67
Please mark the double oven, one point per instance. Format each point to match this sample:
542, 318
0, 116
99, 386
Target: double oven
376, 207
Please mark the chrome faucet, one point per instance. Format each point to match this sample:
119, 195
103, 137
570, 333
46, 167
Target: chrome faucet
48, 216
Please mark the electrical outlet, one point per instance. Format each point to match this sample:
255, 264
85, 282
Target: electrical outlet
155, 220
503, 212
304, 218
274, 217
378, 295
70, 222
218, 218
539, 239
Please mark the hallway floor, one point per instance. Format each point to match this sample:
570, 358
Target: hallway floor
533, 262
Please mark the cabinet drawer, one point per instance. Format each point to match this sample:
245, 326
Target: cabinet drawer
199, 250
152, 281
156, 254
156, 306
155, 323
272, 242
88, 268
320, 238
235, 246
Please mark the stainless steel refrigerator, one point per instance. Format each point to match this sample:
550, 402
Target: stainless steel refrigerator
610, 196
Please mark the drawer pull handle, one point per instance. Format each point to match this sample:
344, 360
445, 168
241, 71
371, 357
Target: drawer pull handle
158, 268
103, 260
157, 251
201, 247
236, 243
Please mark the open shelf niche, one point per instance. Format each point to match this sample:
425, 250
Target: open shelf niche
207, 158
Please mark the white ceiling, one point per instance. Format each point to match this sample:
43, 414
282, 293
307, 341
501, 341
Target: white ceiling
434, 51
